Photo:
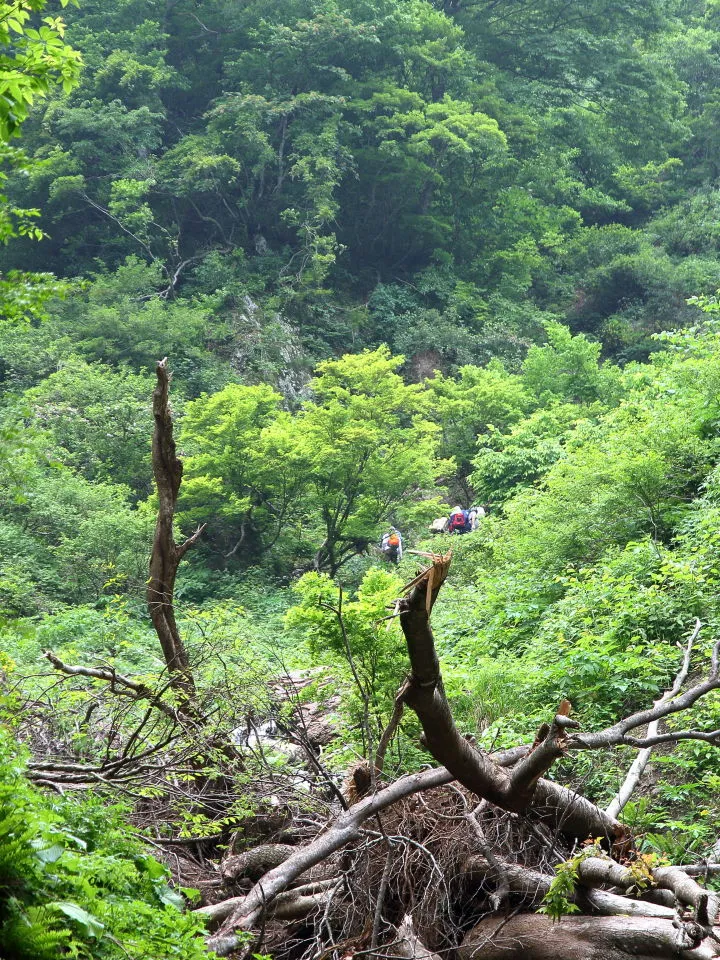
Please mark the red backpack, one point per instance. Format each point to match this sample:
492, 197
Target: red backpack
393, 540
457, 522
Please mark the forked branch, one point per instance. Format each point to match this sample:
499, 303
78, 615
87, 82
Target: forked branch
117, 682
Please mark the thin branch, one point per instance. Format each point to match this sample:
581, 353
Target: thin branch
137, 690
640, 762
617, 734
391, 729
126, 230
382, 892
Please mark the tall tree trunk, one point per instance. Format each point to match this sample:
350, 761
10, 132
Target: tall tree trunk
166, 554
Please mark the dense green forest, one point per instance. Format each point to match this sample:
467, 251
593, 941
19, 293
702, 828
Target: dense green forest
399, 255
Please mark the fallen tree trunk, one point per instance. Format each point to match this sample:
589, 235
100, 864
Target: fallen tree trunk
345, 829
257, 861
535, 885
595, 871
513, 782
537, 937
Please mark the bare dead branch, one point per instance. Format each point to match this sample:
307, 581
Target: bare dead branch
345, 829
534, 886
617, 734
391, 729
701, 869
118, 683
596, 871
382, 893
637, 768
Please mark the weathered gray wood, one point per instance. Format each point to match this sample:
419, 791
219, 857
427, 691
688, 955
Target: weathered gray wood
537, 937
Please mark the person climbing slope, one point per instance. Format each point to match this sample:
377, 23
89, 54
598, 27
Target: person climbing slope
458, 521
391, 545
475, 515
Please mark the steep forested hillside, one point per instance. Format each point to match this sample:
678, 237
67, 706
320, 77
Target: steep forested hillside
399, 255
289, 179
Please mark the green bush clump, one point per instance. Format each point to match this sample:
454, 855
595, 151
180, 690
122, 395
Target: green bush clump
76, 881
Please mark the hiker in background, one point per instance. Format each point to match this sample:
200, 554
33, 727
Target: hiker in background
391, 545
458, 521
475, 515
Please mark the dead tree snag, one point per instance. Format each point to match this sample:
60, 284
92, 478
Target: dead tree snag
166, 554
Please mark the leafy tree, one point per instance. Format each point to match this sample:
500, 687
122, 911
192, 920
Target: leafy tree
324, 480
121, 321
505, 461
569, 368
225, 470
367, 453
74, 540
478, 402
34, 60
97, 421
352, 636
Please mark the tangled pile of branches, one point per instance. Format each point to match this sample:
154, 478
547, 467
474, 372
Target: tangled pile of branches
452, 861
